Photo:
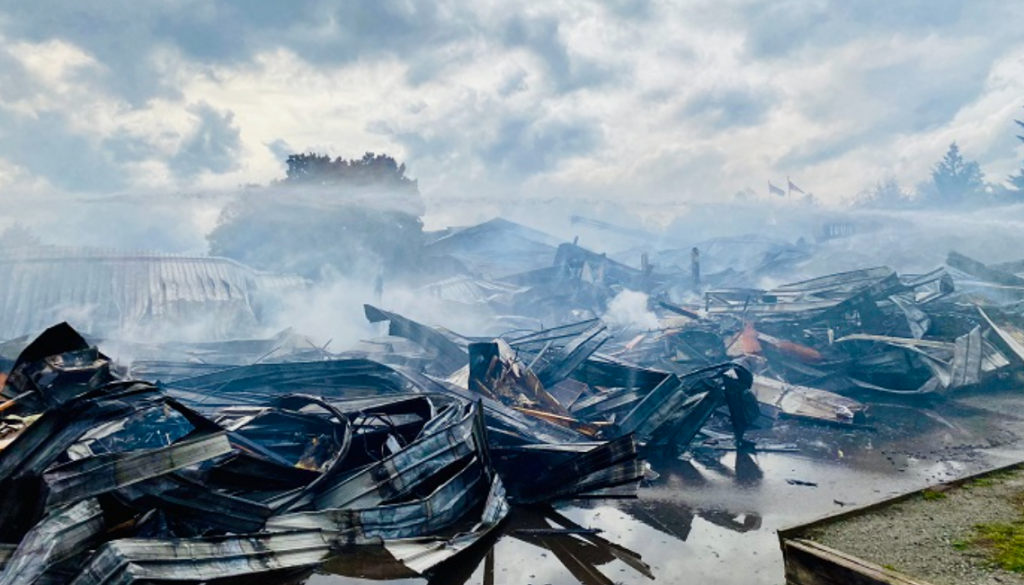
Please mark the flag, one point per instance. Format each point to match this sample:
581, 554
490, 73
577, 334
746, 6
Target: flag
773, 190
793, 187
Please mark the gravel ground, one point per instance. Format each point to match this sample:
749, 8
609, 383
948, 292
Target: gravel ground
916, 537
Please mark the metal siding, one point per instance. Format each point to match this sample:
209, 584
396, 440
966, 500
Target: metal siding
120, 288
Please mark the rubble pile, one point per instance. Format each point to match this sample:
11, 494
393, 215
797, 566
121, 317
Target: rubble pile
199, 462
819, 349
272, 468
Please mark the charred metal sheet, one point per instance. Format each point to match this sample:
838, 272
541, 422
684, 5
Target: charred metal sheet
681, 427
56, 367
804, 403
402, 472
448, 355
319, 454
559, 336
92, 476
762, 303
670, 404
423, 555
930, 386
1011, 336
335, 379
56, 340
568, 391
679, 310
299, 442
939, 278
864, 300
654, 408
917, 320
582, 427
603, 466
23, 462
557, 364
605, 403
355, 525
126, 561
982, 271
842, 284
510, 423
966, 367
56, 538
193, 501
590, 266
609, 372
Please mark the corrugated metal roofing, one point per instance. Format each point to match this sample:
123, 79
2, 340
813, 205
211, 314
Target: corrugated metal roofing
104, 291
497, 248
471, 291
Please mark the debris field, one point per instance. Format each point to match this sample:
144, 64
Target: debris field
236, 459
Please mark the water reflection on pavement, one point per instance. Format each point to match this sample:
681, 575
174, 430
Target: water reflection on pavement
711, 517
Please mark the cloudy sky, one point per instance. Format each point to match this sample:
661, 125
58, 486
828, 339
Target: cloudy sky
652, 101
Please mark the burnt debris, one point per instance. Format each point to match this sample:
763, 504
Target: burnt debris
270, 457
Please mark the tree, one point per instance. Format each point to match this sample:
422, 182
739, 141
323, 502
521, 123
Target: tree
372, 169
955, 181
355, 217
18, 235
1017, 180
886, 193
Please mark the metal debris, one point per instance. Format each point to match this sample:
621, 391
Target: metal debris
271, 457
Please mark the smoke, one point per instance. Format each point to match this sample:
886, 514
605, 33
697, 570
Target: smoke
628, 311
331, 313
154, 220
330, 307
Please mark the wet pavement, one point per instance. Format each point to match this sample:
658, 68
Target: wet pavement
713, 517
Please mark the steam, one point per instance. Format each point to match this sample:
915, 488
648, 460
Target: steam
628, 311
331, 313
330, 307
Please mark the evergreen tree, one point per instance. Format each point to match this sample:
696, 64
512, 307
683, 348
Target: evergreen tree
1017, 180
887, 193
955, 180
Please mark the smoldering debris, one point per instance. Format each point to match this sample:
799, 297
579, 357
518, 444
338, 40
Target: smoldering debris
205, 460
270, 467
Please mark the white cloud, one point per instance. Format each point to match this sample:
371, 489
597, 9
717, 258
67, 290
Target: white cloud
648, 101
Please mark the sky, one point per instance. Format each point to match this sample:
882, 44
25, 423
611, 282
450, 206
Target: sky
652, 103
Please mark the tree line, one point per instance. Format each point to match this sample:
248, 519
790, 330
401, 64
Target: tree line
954, 181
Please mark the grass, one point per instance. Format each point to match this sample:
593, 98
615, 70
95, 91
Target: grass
988, 480
889, 567
1001, 543
1004, 542
932, 495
